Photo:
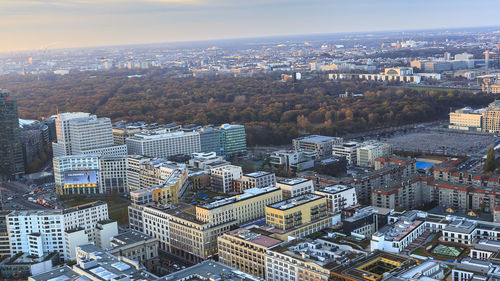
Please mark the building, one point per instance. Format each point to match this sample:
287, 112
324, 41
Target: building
395, 74
73, 163
211, 270
113, 174
11, 151
4, 234
234, 140
347, 150
257, 179
134, 245
60, 273
211, 140
369, 151
491, 85
163, 143
121, 134
221, 178
363, 221
36, 232
82, 133
338, 197
207, 160
408, 193
322, 145
173, 183
395, 237
491, 120
306, 260
242, 208
88, 223
475, 269
298, 216
294, 187
426, 271
93, 263
22, 265
245, 250
293, 160
466, 119
375, 267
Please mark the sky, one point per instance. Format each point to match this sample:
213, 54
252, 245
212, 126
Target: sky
40, 24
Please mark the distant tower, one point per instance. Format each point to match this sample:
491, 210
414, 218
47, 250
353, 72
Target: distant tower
447, 56
486, 58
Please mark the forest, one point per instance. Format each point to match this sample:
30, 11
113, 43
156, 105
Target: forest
273, 111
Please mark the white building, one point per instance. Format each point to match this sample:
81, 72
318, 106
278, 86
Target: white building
88, 223
36, 232
221, 179
259, 179
295, 186
82, 133
293, 160
163, 143
338, 197
207, 160
369, 151
395, 237
349, 150
321, 144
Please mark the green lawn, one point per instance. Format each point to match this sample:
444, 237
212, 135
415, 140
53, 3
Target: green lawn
420, 252
117, 206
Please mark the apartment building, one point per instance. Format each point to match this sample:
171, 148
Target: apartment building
221, 178
88, 223
322, 145
338, 197
36, 232
408, 193
245, 250
395, 237
371, 150
294, 187
491, 120
163, 143
298, 216
347, 150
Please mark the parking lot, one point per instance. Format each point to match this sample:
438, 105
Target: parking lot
443, 141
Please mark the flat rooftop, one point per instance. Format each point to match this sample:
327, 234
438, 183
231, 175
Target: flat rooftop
83, 207
257, 174
248, 193
209, 270
295, 201
130, 237
316, 139
293, 181
57, 274
255, 237
335, 188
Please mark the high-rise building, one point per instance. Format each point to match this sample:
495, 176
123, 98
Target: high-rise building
210, 140
371, 150
82, 133
11, 152
234, 140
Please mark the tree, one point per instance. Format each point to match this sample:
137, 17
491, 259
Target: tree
490, 163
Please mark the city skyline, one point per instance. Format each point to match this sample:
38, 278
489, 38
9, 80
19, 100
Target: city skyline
32, 25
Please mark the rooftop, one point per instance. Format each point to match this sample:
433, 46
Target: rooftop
57, 274
248, 193
316, 139
254, 237
295, 201
209, 270
293, 181
257, 174
335, 188
83, 207
130, 237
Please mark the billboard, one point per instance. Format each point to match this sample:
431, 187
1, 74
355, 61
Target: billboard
86, 177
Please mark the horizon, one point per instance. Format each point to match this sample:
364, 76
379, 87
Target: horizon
62, 24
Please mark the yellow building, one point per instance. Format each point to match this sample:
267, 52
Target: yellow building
491, 120
245, 250
466, 119
242, 208
298, 216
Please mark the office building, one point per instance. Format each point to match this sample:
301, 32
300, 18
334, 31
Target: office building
234, 140
371, 150
163, 143
65, 166
22, 265
221, 178
211, 140
294, 187
36, 232
347, 150
207, 161
134, 245
293, 160
466, 119
11, 152
4, 234
63, 145
397, 236
298, 217
322, 145
363, 221
257, 179
113, 174
475, 269
121, 134
338, 197
245, 250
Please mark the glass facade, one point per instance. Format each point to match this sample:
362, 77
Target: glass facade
234, 140
11, 152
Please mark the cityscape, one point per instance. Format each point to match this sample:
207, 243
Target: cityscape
349, 155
